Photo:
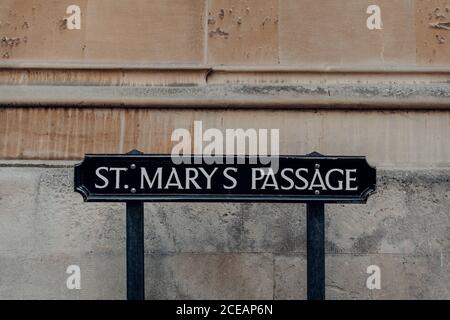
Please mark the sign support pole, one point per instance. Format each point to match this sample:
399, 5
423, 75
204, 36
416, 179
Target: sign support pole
135, 247
315, 229
135, 250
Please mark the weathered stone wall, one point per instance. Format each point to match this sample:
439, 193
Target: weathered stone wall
216, 32
225, 250
400, 138
138, 69
209, 251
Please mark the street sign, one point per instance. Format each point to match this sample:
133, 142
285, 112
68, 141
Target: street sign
162, 178
313, 179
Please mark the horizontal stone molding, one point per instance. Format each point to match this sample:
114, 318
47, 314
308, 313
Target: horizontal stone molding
310, 96
137, 85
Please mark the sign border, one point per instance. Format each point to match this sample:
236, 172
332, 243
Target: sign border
88, 197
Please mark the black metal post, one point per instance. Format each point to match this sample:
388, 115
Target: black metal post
135, 250
315, 229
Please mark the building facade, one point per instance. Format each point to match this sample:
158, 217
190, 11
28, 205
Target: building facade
341, 77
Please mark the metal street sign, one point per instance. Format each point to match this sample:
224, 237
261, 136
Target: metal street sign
312, 178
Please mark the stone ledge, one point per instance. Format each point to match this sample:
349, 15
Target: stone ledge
307, 96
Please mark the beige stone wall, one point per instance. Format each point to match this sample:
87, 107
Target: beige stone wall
138, 69
230, 32
402, 139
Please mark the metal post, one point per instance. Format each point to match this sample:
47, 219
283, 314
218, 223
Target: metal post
315, 229
135, 250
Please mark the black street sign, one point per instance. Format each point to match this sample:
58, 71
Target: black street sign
161, 178
313, 179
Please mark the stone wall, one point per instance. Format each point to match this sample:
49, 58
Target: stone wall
226, 251
217, 32
138, 69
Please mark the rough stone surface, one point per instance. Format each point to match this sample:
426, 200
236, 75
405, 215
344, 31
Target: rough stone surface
287, 32
209, 276
217, 251
409, 214
290, 277
243, 32
185, 227
350, 42
403, 276
44, 277
133, 30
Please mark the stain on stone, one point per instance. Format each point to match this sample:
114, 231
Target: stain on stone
367, 243
277, 89
331, 247
440, 39
62, 23
266, 19
219, 32
436, 14
211, 20
10, 42
221, 13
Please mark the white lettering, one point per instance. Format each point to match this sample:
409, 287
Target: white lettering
313, 181
177, 183
208, 176
74, 280
157, 175
183, 148
327, 179
102, 177
299, 176
350, 179
190, 179
234, 181
254, 178
74, 20
374, 280
118, 170
291, 182
266, 183
374, 21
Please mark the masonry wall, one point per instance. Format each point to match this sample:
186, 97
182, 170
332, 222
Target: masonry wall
137, 70
229, 32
